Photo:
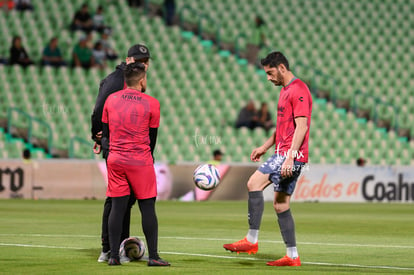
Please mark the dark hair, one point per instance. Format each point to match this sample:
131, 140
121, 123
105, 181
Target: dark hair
16, 37
97, 44
217, 152
360, 162
26, 154
274, 59
133, 73
259, 21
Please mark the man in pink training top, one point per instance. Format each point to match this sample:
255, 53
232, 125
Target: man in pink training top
130, 121
283, 168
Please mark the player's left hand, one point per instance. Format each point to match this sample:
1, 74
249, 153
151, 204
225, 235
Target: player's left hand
97, 148
287, 168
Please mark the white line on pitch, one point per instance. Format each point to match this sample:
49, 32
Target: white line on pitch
361, 266
39, 246
302, 243
222, 239
265, 260
219, 257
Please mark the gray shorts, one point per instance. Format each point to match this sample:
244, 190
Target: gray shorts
273, 167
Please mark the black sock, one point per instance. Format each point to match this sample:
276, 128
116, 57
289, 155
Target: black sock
150, 225
119, 205
256, 207
127, 218
287, 228
105, 218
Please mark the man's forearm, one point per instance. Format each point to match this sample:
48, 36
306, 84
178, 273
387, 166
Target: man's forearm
298, 138
269, 142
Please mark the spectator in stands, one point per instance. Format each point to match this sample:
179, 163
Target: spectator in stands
135, 3
23, 5
99, 55
106, 44
6, 5
26, 154
82, 55
82, 20
257, 41
361, 162
89, 40
264, 117
18, 54
98, 20
247, 116
52, 55
169, 9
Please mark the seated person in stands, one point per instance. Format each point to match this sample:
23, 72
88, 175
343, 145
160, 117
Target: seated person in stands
106, 44
82, 20
18, 54
23, 5
52, 55
98, 20
247, 116
82, 55
264, 117
99, 55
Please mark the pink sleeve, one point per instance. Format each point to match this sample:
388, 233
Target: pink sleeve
155, 114
301, 101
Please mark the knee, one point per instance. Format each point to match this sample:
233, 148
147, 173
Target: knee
253, 185
257, 182
280, 207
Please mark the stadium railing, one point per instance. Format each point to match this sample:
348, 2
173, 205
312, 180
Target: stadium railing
31, 139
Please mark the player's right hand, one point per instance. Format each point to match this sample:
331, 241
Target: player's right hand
98, 136
97, 148
257, 153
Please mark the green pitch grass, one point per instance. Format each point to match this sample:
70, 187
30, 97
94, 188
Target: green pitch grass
62, 237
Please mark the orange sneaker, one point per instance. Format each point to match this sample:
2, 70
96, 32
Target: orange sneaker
286, 261
242, 246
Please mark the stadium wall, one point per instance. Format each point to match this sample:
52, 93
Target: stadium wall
77, 179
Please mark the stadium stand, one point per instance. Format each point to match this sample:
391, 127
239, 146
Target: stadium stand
201, 89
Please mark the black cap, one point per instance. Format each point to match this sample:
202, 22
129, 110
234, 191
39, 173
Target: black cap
217, 152
139, 51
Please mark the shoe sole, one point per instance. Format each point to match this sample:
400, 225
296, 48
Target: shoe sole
282, 265
271, 264
238, 252
156, 263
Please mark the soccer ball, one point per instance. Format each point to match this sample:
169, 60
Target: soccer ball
206, 177
133, 248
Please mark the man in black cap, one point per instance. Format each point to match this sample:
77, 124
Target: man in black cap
110, 84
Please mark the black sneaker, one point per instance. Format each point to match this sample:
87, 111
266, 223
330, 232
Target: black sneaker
114, 261
158, 262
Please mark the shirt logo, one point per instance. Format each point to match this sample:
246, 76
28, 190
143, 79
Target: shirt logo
131, 97
301, 99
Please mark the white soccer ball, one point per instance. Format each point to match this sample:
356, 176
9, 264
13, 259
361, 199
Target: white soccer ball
206, 177
133, 248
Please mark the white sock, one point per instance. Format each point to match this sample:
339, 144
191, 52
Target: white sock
253, 235
292, 252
